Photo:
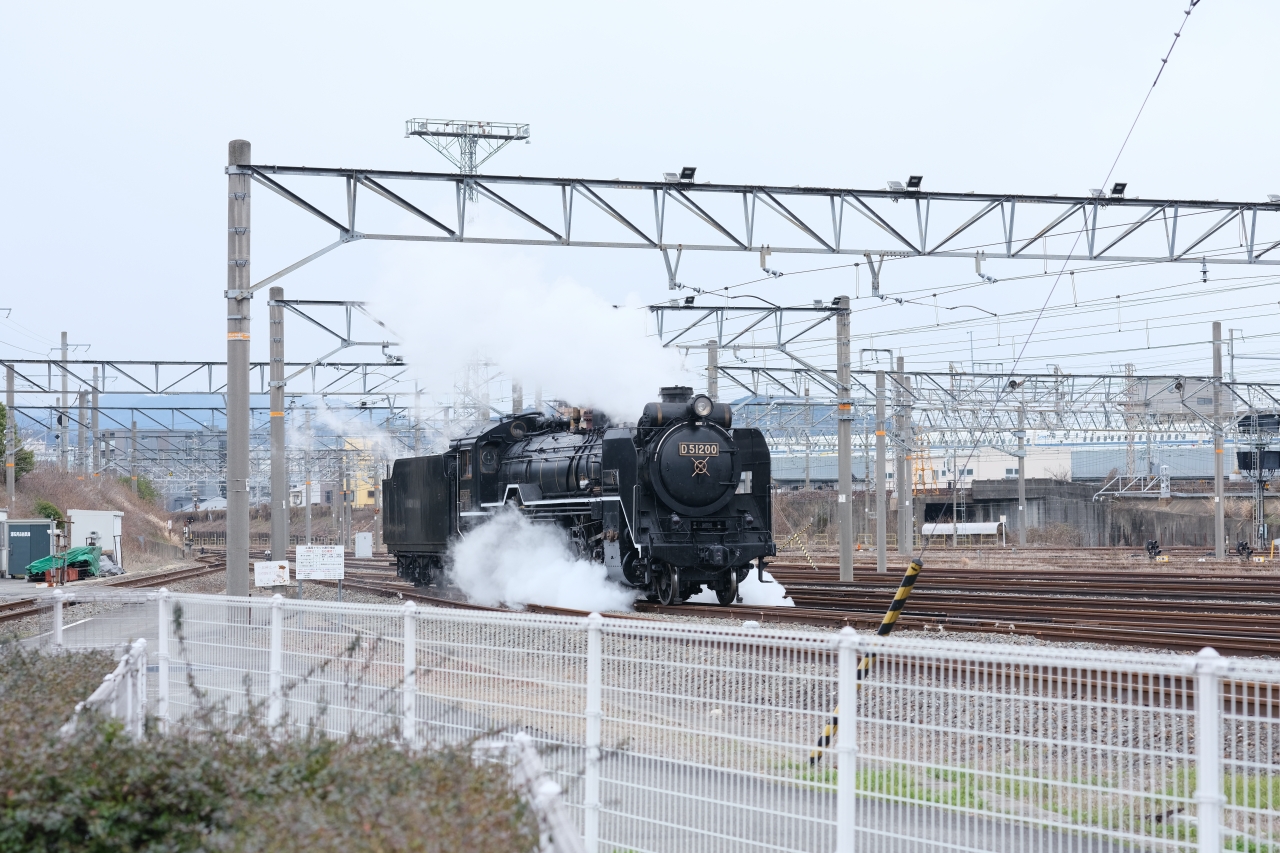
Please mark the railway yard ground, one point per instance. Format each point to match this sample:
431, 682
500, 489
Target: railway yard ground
1103, 598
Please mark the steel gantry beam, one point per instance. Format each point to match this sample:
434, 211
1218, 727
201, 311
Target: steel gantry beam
967, 410
326, 379
806, 220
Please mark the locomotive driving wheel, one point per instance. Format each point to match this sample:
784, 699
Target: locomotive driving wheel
668, 584
727, 593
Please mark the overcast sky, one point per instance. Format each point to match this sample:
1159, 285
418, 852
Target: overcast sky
118, 118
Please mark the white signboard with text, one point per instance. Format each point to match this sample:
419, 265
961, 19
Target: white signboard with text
320, 562
272, 573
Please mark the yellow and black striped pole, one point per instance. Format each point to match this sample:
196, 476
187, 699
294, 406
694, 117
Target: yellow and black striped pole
864, 666
900, 598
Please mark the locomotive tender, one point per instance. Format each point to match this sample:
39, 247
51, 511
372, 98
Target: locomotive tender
679, 501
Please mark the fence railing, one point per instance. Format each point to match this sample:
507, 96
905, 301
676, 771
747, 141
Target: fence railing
675, 736
122, 694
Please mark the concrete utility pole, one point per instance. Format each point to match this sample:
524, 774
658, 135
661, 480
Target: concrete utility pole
11, 442
279, 459
63, 412
133, 457
93, 423
238, 304
713, 369
902, 473
1022, 476
342, 489
517, 397
377, 505
417, 419
844, 411
306, 479
1219, 521
881, 503
82, 437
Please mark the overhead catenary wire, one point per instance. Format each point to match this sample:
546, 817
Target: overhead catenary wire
1027, 340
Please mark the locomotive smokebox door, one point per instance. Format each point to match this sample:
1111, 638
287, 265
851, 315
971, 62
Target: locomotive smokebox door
697, 469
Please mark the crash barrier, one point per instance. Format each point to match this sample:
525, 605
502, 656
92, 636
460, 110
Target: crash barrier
676, 736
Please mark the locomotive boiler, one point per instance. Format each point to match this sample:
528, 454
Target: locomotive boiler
679, 501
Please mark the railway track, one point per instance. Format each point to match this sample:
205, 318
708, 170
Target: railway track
23, 607
1227, 607
1174, 631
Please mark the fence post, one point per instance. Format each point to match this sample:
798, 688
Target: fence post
275, 700
408, 726
591, 787
847, 740
1209, 798
162, 661
57, 618
138, 683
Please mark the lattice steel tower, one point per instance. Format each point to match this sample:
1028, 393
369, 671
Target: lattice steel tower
466, 144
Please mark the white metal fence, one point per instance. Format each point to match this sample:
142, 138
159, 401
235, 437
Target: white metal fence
121, 695
676, 736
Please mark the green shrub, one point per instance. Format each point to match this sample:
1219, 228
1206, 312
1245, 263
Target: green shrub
146, 489
244, 789
44, 509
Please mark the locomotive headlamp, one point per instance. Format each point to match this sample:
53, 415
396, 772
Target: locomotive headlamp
702, 405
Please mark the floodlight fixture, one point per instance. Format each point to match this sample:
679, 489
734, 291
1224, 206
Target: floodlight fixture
1273, 197
686, 174
671, 177
688, 300
914, 182
1118, 188
1096, 193
896, 186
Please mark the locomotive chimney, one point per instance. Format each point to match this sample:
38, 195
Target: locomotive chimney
586, 419
675, 393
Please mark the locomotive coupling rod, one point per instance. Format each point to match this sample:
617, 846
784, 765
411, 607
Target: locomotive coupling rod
886, 627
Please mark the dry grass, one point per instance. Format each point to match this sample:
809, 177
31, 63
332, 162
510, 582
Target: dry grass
67, 491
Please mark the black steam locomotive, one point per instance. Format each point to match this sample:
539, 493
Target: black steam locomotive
678, 501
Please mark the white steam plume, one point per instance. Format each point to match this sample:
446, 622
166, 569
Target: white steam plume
559, 334
510, 560
753, 593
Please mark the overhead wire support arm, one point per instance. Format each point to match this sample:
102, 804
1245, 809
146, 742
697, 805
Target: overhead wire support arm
1136, 216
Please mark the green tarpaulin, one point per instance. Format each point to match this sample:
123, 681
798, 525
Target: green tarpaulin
76, 558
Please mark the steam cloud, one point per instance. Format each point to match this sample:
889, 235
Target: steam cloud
559, 334
753, 593
510, 560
